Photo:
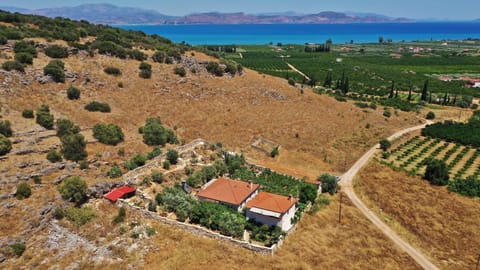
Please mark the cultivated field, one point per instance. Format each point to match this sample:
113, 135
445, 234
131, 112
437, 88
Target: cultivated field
411, 156
442, 224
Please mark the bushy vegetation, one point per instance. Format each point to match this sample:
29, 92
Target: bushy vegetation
463, 133
211, 215
5, 145
113, 71
264, 233
385, 144
154, 133
55, 69
27, 113
56, 51
73, 93
6, 128
53, 156
172, 156
329, 183
44, 117
215, 69
13, 65
468, 187
430, 115
24, 58
437, 172
154, 153
66, 127
145, 70
79, 216
120, 217
108, 133
96, 106
73, 147
159, 56
74, 189
25, 47
135, 162
115, 171
23, 190
180, 71
137, 55
18, 248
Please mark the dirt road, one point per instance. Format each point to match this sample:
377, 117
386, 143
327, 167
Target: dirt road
296, 70
347, 188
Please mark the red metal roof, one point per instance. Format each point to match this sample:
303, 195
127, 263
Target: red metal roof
118, 193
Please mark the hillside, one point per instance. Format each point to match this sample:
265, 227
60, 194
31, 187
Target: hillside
110, 14
317, 134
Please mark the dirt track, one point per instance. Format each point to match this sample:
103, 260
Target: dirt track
347, 187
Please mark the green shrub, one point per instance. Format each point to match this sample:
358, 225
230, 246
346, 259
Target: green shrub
25, 47
291, 81
137, 55
469, 187
159, 56
73, 93
83, 165
172, 156
23, 190
5, 145
150, 231
115, 171
385, 144
27, 113
112, 71
157, 177
44, 118
180, 71
37, 179
96, 106
66, 127
18, 249
275, 152
430, 115
56, 51
59, 213
80, 216
437, 172
74, 189
154, 133
53, 156
387, 113
166, 164
215, 68
55, 69
121, 216
329, 183
13, 65
73, 147
308, 193
24, 58
155, 153
6, 128
3, 39
108, 133
135, 162
145, 70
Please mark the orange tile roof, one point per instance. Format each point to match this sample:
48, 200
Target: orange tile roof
228, 190
272, 202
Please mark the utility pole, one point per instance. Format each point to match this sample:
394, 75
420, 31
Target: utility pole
340, 210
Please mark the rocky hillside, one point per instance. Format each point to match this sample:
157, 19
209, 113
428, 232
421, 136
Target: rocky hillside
139, 77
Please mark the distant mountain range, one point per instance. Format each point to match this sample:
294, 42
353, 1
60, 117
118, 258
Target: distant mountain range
110, 14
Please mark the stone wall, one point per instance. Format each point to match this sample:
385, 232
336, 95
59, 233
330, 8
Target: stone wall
200, 231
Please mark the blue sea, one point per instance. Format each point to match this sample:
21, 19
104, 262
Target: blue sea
300, 34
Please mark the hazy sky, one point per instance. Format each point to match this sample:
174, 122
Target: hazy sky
417, 9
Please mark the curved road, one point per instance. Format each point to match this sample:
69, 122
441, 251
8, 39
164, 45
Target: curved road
347, 187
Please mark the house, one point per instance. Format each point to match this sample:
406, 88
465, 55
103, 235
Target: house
272, 209
232, 193
120, 193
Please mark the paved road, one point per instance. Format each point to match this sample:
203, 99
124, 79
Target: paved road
347, 188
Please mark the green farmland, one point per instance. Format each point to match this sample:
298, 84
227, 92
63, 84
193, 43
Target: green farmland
371, 68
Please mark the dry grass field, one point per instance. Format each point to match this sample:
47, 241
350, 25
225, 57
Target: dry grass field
442, 224
235, 111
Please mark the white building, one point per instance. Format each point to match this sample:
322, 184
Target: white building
272, 209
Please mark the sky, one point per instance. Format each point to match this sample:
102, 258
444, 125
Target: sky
415, 9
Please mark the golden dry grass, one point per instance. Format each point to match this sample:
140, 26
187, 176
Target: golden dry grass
234, 111
443, 224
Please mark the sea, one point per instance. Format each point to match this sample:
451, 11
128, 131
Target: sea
255, 34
